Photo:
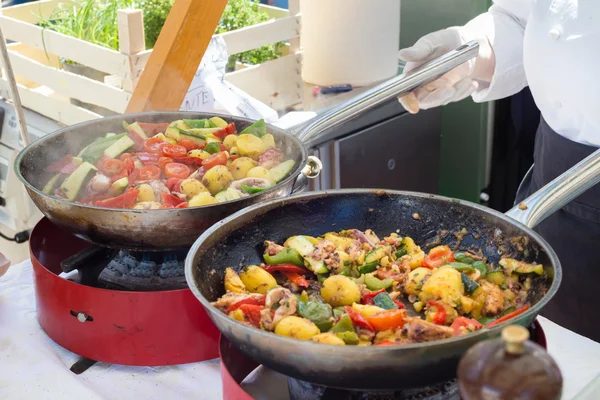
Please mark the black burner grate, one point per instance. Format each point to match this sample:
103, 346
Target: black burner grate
125, 270
300, 390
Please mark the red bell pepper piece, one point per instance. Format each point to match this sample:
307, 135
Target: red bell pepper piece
152, 129
357, 319
182, 205
125, 200
58, 165
133, 176
438, 256
296, 279
464, 322
148, 158
168, 198
368, 298
68, 169
287, 268
399, 304
228, 130
173, 184
389, 319
508, 316
188, 160
440, 315
252, 313
250, 300
93, 199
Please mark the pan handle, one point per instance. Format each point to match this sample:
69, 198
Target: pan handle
311, 170
558, 193
395, 87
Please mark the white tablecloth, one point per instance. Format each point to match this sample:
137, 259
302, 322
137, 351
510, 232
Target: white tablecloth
33, 367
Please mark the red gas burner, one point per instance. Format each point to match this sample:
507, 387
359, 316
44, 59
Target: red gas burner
143, 328
235, 367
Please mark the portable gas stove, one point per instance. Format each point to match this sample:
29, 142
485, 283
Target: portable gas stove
236, 368
119, 307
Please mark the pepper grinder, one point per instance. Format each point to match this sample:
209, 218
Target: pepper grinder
509, 368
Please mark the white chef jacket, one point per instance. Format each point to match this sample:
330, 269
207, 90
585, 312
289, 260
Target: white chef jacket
552, 46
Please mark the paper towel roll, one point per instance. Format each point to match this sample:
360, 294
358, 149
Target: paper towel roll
349, 41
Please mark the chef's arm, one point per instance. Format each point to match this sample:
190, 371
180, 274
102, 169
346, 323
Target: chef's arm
504, 27
498, 70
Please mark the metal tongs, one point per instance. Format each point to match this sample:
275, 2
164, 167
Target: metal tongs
13, 88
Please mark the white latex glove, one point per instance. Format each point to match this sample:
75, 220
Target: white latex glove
457, 84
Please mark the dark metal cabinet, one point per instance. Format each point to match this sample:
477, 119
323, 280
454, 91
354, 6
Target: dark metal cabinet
401, 152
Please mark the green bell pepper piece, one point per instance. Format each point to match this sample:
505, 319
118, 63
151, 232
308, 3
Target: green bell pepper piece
321, 277
338, 312
252, 190
287, 256
343, 325
469, 284
197, 123
370, 267
463, 258
259, 128
348, 337
324, 326
377, 284
212, 148
315, 311
481, 267
384, 301
461, 267
401, 252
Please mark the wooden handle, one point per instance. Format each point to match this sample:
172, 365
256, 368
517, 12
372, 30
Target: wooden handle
176, 55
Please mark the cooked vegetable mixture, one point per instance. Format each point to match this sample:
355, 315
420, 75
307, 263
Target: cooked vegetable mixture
185, 163
346, 288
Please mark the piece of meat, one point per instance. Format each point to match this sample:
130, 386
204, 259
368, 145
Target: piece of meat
98, 184
159, 187
287, 306
354, 250
393, 240
494, 299
361, 237
333, 263
272, 248
230, 298
324, 249
270, 158
420, 330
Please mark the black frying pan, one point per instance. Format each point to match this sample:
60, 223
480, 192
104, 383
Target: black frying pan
238, 240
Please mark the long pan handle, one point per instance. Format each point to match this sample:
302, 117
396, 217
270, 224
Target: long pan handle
395, 87
559, 192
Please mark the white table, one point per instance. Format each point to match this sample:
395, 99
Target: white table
33, 367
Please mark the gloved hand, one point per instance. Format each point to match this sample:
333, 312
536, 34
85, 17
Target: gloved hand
457, 84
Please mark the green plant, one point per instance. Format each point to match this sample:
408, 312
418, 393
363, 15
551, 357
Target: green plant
95, 21
239, 14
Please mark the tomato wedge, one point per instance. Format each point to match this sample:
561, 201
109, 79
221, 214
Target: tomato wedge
173, 184
471, 325
154, 145
195, 161
126, 200
177, 170
188, 144
150, 173
111, 166
162, 161
182, 205
133, 176
438, 256
389, 319
219, 158
174, 150
123, 174
168, 198
385, 343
